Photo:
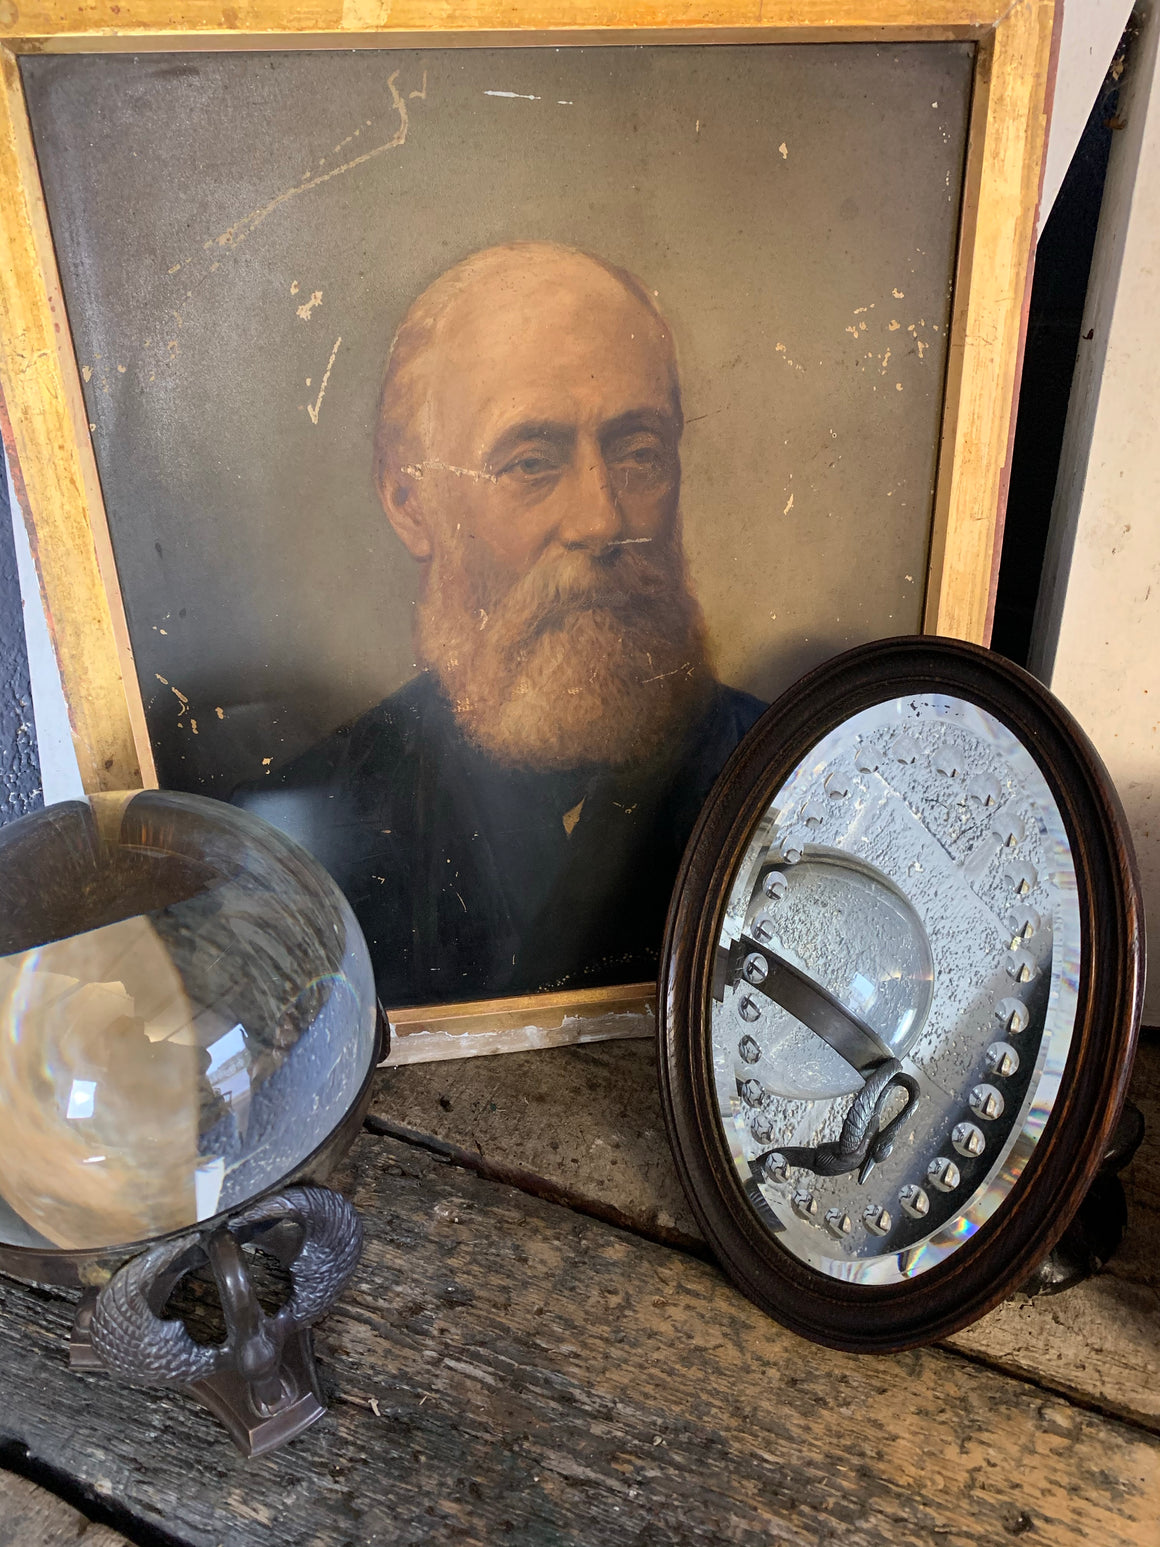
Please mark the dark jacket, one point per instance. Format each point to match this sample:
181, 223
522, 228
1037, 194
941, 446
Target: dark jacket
472, 880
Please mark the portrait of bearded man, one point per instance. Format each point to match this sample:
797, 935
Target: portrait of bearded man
511, 820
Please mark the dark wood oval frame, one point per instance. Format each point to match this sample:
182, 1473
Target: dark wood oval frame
1006, 1250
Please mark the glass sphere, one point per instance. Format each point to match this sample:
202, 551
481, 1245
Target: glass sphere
187, 1011
852, 931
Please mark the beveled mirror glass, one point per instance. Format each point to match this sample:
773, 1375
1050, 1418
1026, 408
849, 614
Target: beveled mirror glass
908, 893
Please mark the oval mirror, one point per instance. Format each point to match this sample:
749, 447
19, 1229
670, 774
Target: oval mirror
900, 991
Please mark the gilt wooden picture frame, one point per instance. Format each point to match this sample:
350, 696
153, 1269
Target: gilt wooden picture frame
832, 338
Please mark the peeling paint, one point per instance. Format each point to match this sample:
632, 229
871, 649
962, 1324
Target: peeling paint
307, 307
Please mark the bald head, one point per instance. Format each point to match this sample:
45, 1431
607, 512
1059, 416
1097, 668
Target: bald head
500, 324
528, 457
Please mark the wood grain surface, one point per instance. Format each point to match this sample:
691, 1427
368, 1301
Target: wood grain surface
587, 1123
502, 1369
1002, 179
46, 437
33, 1517
47, 22
521, 1023
1101, 1340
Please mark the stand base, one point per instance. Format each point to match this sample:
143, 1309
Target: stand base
1099, 1225
227, 1394
261, 1381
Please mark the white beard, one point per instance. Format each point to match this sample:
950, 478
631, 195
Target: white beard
583, 660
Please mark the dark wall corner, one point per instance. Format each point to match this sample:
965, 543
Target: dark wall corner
1059, 293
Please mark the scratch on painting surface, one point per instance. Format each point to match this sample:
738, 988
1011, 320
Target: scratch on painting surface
229, 240
313, 408
241, 229
434, 465
519, 96
685, 666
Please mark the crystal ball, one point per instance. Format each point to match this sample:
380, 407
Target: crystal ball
187, 1012
851, 930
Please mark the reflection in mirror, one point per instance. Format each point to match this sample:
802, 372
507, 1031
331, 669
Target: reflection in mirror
895, 988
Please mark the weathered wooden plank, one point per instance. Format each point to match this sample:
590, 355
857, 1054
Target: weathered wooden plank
1101, 1340
503, 1369
587, 1123
32, 1517
586, 1120
1138, 1260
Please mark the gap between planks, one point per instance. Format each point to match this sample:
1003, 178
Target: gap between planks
502, 1370
583, 1127
34, 1514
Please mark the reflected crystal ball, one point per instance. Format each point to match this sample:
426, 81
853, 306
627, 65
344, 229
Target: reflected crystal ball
851, 930
187, 1012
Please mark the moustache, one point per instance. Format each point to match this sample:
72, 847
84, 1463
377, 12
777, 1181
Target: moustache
586, 657
622, 582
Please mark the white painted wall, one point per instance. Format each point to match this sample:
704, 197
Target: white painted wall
60, 777
1091, 31
1097, 631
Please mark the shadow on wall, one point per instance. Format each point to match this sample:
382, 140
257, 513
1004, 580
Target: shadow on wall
20, 790
1062, 265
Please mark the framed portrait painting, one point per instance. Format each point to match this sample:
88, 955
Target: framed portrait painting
446, 439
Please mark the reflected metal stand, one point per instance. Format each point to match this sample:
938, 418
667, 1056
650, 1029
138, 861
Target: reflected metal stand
1098, 1226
